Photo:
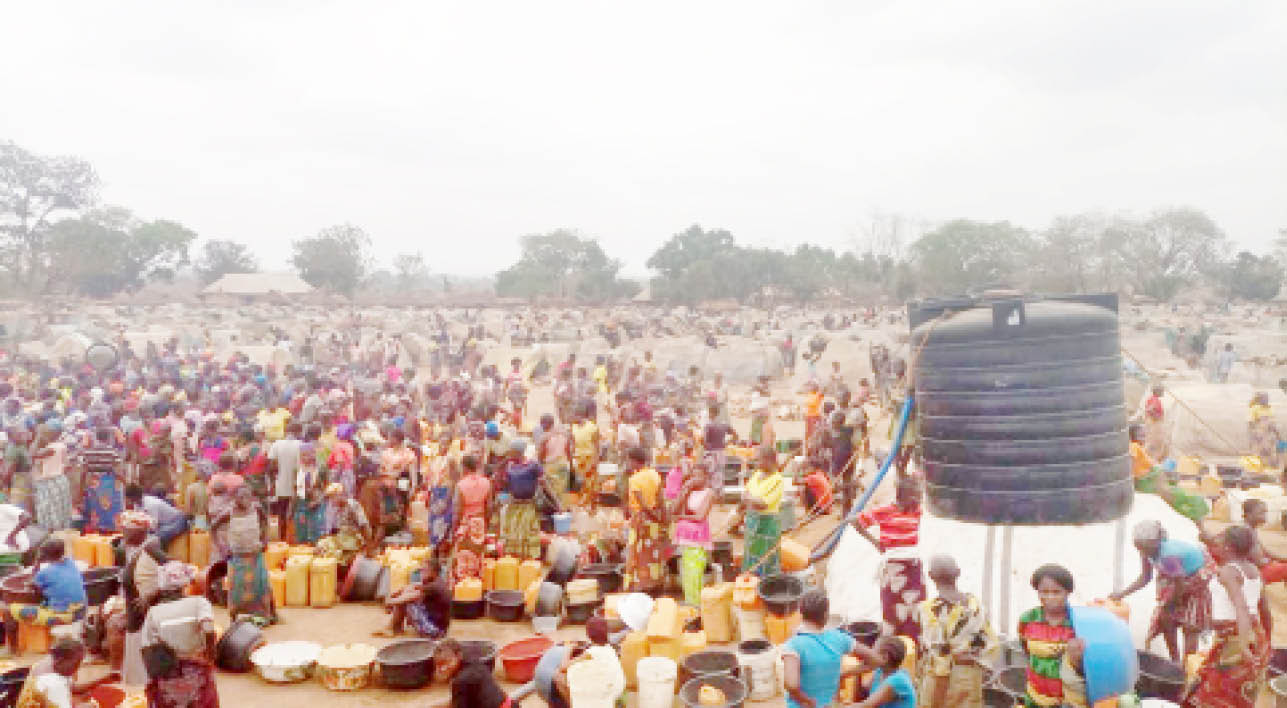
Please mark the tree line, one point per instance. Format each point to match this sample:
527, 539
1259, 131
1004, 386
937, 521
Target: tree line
56, 236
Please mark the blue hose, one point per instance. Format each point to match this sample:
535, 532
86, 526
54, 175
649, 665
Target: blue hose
828, 545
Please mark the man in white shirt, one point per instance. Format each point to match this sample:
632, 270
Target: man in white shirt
283, 457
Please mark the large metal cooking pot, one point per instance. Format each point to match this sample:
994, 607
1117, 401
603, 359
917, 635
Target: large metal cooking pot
233, 651
406, 664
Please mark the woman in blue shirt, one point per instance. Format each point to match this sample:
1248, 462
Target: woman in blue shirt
891, 686
1184, 572
812, 658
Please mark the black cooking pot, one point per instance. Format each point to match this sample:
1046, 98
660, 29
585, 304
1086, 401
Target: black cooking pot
101, 584
578, 614
865, 633
505, 605
608, 576
467, 609
406, 664
233, 651
479, 651
362, 581
711, 662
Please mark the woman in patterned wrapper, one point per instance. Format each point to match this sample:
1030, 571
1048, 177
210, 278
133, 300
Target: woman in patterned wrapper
902, 580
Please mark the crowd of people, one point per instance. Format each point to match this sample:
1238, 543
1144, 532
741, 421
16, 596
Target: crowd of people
350, 458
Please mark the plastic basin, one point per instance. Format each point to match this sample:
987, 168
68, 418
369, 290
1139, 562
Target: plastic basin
733, 688
520, 657
1109, 662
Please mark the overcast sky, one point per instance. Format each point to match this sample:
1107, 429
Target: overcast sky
453, 128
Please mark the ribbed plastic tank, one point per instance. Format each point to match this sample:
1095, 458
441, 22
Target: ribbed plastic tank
1021, 409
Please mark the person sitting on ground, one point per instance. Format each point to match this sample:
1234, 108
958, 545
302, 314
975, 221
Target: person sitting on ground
191, 681
51, 682
1150, 480
472, 682
891, 686
426, 605
169, 522
62, 590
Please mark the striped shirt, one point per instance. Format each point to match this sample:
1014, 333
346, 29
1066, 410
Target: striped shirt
898, 528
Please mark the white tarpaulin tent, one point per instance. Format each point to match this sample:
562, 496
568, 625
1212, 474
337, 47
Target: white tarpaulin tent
997, 563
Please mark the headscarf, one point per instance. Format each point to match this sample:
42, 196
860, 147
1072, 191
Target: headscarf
174, 575
134, 520
1149, 531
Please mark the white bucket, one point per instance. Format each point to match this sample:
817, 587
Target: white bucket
760, 671
656, 676
750, 624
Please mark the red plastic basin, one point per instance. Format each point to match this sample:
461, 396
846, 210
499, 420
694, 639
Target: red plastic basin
520, 657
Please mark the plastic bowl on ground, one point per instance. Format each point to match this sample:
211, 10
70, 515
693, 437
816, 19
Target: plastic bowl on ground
519, 657
545, 624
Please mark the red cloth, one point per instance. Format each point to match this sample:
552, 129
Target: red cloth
898, 528
820, 487
1273, 572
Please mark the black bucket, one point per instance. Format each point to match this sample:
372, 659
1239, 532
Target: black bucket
781, 594
865, 633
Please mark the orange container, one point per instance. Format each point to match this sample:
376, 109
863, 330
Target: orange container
178, 548
528, 571
277, 578
323, 575
104, 554
507, 573
199, 548
275, 555
32, 638
468, 590
745, 591
83, 549
489, 574
795, 556
780, 629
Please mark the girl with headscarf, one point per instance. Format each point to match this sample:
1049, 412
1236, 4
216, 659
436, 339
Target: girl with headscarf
190, 681
244, 526
143, 560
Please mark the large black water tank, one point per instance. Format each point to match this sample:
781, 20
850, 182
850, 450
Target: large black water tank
1022, 411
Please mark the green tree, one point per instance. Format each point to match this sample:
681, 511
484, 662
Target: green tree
336, 259
109, 250
696, 264
34, 191
563, 264
964, 255
1169, 249
1250, 277
221, 257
